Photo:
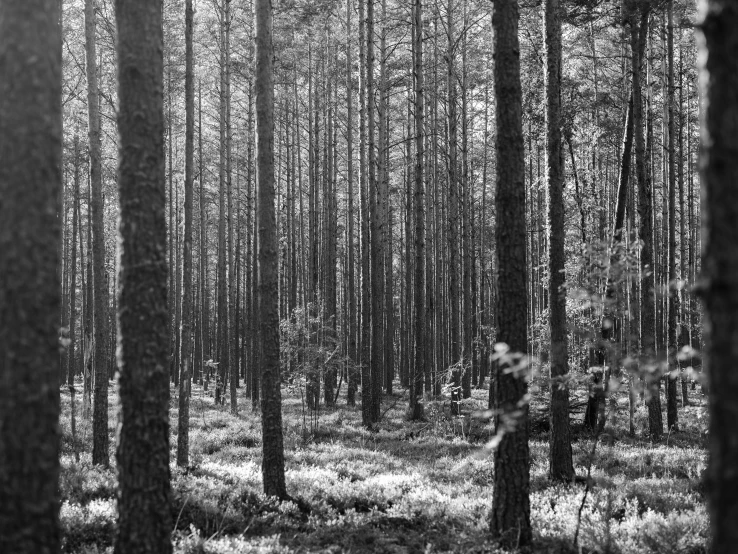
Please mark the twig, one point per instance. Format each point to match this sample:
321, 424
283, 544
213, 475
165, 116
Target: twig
588, 483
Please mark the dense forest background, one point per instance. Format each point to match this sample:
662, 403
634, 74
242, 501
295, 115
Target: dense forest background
412, 242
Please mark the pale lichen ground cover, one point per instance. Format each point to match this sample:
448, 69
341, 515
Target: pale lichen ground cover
421, 487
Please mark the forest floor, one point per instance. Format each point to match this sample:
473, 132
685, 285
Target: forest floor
406, 488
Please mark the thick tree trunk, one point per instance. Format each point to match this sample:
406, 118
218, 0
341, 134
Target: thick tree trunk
272, 466
718, 71
510, 516
560, 457
145, 517
30, 291
100, 441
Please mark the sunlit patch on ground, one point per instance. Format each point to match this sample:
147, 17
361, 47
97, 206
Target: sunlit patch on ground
410, 487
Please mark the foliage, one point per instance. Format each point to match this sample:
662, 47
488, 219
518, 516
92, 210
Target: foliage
409, 487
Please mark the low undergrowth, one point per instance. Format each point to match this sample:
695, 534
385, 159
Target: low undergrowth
408, 487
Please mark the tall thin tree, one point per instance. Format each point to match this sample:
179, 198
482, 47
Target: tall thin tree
560, 457
100, 440
185, 331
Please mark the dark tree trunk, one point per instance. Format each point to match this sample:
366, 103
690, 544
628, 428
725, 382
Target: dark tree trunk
351, 277
30, 291
718, 60
185, 340
100, 441
73, 268
419, 316
453, 218
638, 14
377, 227
673, 305
560, 466
272, 466
145, 519
510, 516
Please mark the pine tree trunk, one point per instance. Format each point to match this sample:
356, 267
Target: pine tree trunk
271, 400
144, 499
185, 340
510, 516
100, 441
560, 457
71, 364
351, 277
718, 71
671, 378
30, 291
419, 359
453, 220
223, 335
638, 14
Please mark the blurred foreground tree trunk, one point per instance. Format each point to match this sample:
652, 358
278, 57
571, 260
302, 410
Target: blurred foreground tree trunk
30, 292
718, 72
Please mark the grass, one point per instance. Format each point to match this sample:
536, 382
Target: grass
407, 488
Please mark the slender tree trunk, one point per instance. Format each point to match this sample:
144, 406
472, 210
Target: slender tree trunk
145, 517
73, 269
100, 441
466, 198
377, 226
510, 516
351, 278
672, 347
223, 335
420, 355
560, 457
638, 14
185, 340
453, 221
30, 292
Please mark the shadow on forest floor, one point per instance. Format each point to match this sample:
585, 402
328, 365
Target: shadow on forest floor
406, 487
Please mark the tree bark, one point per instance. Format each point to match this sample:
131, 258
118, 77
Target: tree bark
30, 290
71, 365
673, 304
145, 518
351, 278
419, 315
453, 218
185, 340
638, 15
560, 457
272, 466
718, 71
100, 440
510, 516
